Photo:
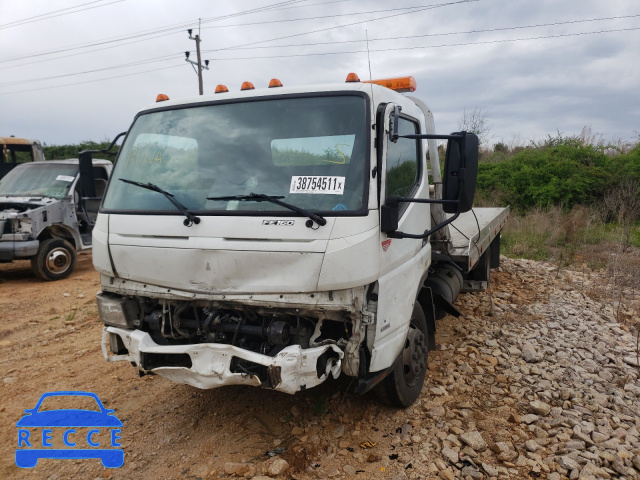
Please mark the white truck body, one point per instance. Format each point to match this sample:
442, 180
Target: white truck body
191, 301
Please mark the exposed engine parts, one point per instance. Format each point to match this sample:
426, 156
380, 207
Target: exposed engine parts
262, 332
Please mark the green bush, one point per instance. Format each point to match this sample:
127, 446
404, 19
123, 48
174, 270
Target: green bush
61, 152
562, 171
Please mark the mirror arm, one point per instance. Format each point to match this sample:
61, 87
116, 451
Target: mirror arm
397, 234
108, 149
429, 136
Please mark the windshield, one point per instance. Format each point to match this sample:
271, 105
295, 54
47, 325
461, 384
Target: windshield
39, 180
309, 152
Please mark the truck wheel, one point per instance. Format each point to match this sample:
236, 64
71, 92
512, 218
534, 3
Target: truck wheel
55, 259
403, 385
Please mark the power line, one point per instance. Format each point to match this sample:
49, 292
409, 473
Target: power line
429, 46
345, 25
287, 20
93, 81
165, 57
347, 53
49, 15
568, 22
170, 29
295, 35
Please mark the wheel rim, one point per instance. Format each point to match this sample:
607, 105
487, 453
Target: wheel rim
58, 261
414, 355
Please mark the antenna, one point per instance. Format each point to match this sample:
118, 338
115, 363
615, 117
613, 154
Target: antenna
366, 34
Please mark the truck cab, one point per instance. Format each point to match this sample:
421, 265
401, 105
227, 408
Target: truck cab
14, 151
47, 212
260, 237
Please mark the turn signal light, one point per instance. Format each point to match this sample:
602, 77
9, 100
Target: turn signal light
247, 86
400, 84
352, 77
275, 83
162, 97
221, 89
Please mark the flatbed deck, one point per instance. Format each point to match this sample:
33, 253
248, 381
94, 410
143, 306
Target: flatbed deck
472, 232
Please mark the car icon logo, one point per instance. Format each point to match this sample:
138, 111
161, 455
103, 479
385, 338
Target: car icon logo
80, 431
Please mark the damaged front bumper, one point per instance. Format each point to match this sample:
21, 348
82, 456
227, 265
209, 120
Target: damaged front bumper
211, 365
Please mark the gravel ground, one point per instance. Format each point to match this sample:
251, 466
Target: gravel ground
537, 380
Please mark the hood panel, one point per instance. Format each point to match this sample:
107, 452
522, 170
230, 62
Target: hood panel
220, 254
221, 271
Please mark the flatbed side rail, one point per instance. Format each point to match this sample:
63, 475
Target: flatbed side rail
480, 241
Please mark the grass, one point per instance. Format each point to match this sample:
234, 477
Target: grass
566, 238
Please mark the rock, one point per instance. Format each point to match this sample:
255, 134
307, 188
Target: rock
508, 456
233, 468
532, 446
598, 437
528, 419
500, 447
529, 354
349, 470
447, 474
339, 431
450, 454
568, 463
297, 431
471, 471
490, 469
277, 467
474, 440
540, 408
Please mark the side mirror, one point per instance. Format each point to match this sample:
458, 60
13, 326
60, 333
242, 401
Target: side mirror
389, 214
460, 172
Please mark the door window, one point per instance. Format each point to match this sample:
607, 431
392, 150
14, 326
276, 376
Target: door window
403, 161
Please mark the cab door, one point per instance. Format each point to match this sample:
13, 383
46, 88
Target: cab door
402, 168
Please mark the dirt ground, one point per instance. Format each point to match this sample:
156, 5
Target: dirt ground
50, 340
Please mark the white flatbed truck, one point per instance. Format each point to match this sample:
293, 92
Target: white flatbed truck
275, 237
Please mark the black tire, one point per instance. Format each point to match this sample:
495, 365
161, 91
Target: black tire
55, 259
403, 385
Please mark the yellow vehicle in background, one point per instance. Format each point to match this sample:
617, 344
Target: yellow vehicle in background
18, 150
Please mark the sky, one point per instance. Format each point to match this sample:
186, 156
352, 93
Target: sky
78, 70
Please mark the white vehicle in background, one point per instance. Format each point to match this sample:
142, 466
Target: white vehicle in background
277, 237
48, 210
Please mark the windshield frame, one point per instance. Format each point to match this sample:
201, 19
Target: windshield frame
367, 164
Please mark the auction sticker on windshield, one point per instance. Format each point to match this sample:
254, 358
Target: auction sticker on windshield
317, 184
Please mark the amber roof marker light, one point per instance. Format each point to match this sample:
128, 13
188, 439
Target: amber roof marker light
399, 84
221, 89
352, 78
274, 83
247, 86
162, 97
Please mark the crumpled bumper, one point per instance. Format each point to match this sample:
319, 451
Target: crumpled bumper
211, 365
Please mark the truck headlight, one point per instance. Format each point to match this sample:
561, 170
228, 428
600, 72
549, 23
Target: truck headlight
24, 226
117, 311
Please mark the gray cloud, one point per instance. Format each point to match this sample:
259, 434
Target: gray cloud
530, 88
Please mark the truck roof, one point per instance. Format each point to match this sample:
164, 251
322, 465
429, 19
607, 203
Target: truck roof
379, 93
17, 141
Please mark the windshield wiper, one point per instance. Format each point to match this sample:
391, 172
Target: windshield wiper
258, 197
191, 218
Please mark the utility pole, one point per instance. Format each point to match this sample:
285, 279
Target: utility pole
197, 66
